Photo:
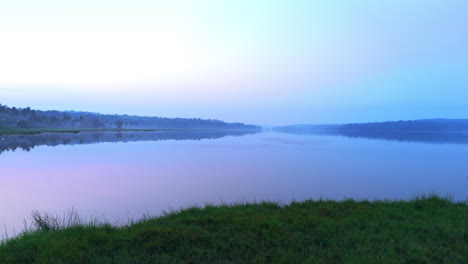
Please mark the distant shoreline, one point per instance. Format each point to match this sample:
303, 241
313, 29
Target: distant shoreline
41, 131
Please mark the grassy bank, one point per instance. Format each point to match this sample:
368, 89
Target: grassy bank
39, 131
424, 230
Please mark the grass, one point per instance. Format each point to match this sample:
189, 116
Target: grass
427, 229
40, 131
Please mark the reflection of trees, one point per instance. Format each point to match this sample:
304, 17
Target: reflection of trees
427, 137
403, 136
28, 142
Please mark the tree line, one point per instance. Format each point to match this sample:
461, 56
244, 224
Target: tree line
27, 118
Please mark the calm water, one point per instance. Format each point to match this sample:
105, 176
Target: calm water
121, 176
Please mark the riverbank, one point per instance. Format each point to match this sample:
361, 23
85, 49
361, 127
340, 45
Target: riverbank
40, 131
423, 230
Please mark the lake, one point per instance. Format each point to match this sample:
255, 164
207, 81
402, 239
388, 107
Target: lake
121, 176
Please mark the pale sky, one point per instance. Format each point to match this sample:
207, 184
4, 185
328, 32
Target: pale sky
257, 61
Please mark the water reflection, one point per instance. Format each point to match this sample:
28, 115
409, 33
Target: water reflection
117, 182
28, 142
421, 137
424, 137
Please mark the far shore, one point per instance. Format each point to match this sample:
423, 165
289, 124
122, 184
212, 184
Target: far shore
40, 131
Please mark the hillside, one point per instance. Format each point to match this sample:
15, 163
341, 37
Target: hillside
423, 125
426, 130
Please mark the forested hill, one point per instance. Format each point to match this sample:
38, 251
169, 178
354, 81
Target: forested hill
27, 118
423, 125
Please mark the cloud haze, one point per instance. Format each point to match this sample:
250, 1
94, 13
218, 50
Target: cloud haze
267, 62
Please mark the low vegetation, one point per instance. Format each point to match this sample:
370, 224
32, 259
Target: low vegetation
423, 230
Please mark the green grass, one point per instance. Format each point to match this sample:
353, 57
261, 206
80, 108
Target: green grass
40, 131
423, 230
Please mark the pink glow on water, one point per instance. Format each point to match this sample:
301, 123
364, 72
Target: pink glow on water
116, 181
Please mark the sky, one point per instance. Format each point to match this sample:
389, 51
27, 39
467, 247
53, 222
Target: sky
268, 62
